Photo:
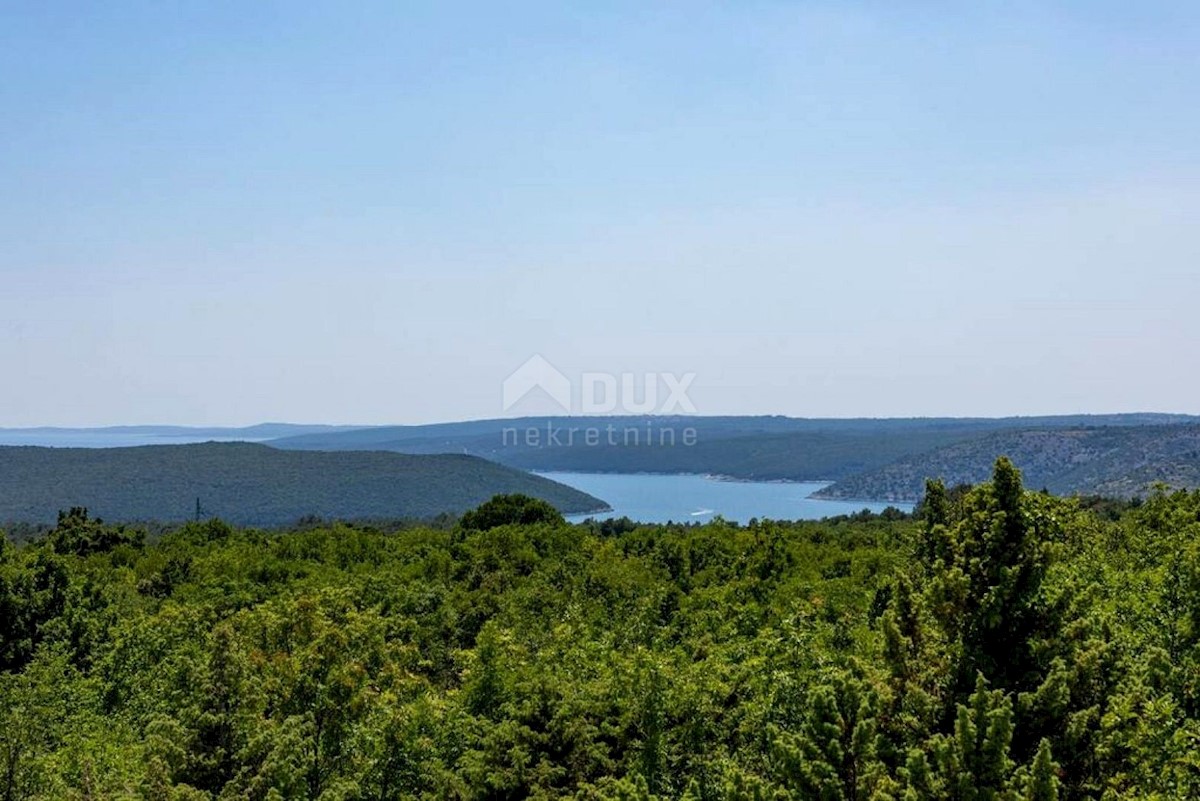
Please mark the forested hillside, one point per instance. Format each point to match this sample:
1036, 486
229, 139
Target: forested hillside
1119, 454
487, 434
255, 484
1004, 645
875, 459
1118, 462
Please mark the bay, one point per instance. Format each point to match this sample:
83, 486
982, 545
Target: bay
653, 498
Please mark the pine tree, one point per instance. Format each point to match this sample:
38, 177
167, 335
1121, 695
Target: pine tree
974, 763
935, 544
215, 724
1042, 784
650, 725
985, 583
833, 755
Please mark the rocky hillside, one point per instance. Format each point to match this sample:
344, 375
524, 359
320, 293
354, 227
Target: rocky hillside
1111, 461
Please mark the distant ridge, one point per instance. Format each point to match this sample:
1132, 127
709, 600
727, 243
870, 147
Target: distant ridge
762, 448
126, 436
253, 484
1110, 461
867, 458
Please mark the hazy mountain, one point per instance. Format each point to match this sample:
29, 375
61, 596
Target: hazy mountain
126, 436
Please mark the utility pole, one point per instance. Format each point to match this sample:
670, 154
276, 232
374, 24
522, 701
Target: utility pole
197, 510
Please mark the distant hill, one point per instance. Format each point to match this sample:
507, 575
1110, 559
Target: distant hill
739, 447
256, 485
867, 458
1118, 462
127, 436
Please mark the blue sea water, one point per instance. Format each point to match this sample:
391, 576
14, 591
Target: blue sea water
681, 498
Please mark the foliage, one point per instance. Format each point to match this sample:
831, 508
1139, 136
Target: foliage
1004, 645
510, 510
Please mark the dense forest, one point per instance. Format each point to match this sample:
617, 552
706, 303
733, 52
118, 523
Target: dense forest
256, 485
999, 644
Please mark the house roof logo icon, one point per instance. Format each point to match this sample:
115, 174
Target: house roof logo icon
537, 373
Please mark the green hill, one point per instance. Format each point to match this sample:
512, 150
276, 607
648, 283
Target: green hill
255, 484
763, 448
1117, 462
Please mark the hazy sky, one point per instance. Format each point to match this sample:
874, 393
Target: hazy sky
221, 213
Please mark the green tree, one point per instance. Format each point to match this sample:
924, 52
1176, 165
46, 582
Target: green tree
986, 580
834, 753
1042, 784
974, 763
78, 534
506, 510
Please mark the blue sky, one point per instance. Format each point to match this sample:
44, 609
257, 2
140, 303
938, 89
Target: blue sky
372, 212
